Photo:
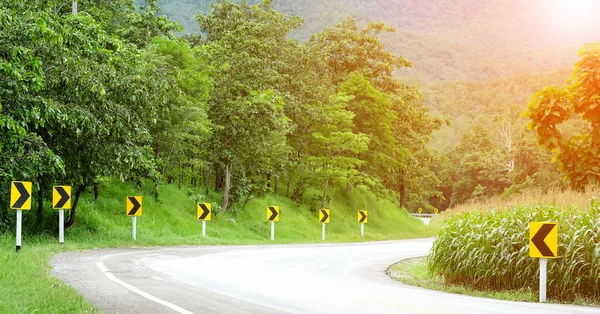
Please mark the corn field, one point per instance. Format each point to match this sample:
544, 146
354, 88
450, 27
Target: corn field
489, 250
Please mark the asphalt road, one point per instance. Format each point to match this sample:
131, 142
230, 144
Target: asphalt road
335, 278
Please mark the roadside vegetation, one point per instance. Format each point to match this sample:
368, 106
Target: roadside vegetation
485, 246
415, 272
27, 286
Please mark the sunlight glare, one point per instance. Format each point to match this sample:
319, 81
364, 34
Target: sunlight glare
575, 12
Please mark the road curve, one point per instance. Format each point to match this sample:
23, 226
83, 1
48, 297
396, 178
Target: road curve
334, 278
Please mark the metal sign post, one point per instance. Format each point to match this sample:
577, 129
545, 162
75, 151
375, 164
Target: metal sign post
543, 244
272, 230
133, 226
20, 199
19, 220
323, 236
543, 275
61, 200
61, 226
204, 214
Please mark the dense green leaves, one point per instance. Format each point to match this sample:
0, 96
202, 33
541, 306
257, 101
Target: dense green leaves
577, 153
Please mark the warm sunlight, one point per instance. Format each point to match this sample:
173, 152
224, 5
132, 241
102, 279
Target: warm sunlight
574, 12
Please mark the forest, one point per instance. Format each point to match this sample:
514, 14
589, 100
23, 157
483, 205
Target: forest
249, 99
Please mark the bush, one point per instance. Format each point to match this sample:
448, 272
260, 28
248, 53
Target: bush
489, 250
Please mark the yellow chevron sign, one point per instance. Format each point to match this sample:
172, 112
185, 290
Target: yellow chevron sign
134, 206
363, 216
61, 197
204, 212
273, 213
543, 239
20, 195
324, 216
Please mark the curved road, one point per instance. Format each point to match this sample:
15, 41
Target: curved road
334, 278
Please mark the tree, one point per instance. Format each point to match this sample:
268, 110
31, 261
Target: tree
245, 45
91, 101
183, 131
349, 51
578, 155
334, 147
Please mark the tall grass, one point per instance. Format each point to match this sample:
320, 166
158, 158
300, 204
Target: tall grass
489, 249
532, 197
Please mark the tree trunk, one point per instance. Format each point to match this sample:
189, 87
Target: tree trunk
217, 178
206, 181
227, 186
268, 181
96, 193
402, 191
275, 184
348, 186
324, 200
287, 190
40, 209
71, 219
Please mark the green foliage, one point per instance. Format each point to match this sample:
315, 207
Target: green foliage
498, 258
245, 47
578, 154
183, 130
82, 96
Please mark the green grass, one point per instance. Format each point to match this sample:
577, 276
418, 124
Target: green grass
415, 272
26, 285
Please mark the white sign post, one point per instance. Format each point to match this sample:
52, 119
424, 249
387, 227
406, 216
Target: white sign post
543, 275
19, 219
323, 237
272, 230
133, 226
204, 228
362, 229
61, 226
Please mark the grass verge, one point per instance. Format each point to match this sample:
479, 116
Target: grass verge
26, 285
414, 272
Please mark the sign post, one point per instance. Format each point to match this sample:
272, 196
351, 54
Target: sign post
134, 209
204, 214
20, 199
363, 219
324, 217
61, 200
543, 244
273, 216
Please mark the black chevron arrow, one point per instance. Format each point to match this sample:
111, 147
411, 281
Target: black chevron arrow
362, 213
540, 236
205, 211
135, 207
273, 213
24, 195
64, 197
325, 216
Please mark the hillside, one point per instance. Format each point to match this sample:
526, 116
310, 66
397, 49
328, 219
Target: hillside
446, 40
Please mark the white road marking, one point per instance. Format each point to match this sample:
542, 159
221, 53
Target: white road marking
133, 289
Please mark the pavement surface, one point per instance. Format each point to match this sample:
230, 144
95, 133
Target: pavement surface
326, 278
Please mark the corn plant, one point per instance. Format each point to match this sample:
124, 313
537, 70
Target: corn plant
489, 250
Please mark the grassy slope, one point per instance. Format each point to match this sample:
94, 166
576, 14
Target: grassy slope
26, 285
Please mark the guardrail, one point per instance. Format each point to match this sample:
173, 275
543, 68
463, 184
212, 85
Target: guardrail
422, 215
